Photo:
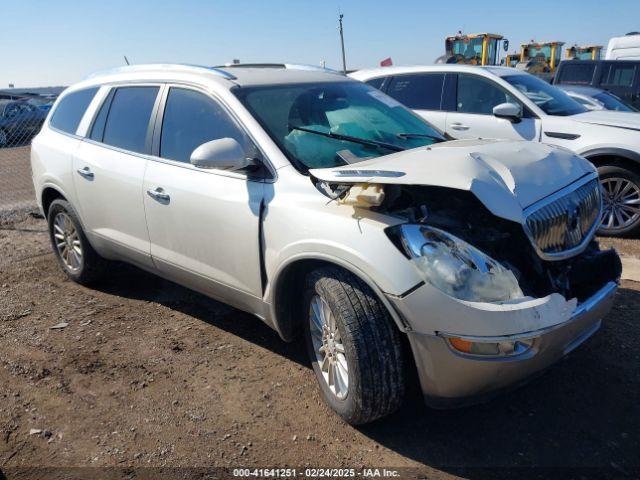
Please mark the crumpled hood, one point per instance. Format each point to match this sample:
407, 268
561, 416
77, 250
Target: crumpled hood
506, 176
610, 118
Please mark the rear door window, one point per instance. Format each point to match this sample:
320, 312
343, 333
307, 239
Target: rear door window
422, 91
71, 109
618, 75
576, 74
128, 118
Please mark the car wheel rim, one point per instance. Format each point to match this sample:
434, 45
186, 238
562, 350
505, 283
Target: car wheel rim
328, 347
67, 242
621, 203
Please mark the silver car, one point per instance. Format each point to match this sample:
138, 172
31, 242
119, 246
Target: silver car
338, 217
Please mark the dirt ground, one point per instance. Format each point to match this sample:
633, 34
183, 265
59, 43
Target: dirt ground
149, 374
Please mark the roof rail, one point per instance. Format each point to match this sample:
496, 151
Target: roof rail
163, 66
288, 66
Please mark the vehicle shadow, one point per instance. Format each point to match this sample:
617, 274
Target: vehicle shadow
130, 282
582, 414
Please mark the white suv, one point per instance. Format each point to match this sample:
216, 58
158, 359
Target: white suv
500, 102
325, 207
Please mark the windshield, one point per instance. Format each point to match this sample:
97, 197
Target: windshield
611, 102
550, 99
320, 125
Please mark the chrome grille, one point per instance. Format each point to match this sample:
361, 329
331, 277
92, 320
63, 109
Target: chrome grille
565, 222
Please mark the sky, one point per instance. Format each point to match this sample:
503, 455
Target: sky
58, 43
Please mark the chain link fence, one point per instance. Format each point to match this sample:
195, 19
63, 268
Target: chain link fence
21, 118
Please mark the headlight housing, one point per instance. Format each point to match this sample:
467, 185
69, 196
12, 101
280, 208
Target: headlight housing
455, 267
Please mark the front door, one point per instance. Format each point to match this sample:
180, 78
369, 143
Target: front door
473, 116
204, 225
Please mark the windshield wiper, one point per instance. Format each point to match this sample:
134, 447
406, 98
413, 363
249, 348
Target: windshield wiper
419, 135
348, 138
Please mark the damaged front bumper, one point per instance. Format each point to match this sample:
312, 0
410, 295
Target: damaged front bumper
450, 377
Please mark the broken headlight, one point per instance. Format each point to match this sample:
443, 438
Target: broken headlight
456, 268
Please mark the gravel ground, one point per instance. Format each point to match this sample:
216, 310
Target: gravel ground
147, 373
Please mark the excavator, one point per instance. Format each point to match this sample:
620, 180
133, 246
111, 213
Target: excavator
472, 49
584, 52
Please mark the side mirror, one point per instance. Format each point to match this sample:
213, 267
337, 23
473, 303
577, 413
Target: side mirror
509, 111
221, 154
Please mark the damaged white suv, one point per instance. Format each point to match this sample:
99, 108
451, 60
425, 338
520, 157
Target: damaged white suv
324, 207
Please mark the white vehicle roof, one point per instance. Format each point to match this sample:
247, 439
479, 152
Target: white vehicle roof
368, 74
229, 76
624, 48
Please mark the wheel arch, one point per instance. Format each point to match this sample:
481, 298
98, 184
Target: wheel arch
288, 284
48, 195
621, 157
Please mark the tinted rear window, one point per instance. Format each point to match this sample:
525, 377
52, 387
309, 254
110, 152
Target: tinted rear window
576, 74
70, 110
618, 75
128, 119
421, 91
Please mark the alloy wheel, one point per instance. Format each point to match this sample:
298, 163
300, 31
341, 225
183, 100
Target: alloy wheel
328, 347
621, 203
67, 241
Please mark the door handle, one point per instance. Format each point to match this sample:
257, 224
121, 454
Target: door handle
85, 172
459, 126
159, 195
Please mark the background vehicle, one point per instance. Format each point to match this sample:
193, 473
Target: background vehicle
584, 52
620, 77
472, 49
19, 122
624, 48
540, 59
596, 99
500, 102
230, 159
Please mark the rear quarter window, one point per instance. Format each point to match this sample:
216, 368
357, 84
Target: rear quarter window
576, 74
70, 110
618, 75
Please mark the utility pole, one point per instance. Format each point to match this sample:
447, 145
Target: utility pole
344, 61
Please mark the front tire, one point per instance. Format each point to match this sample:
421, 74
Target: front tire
354, 347
75, 254
621, 201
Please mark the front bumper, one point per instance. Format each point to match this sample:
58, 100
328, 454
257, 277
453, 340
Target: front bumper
450, 378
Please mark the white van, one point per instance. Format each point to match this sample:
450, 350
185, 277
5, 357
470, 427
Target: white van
624, 48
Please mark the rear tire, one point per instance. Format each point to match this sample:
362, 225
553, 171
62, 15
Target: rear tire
621, 201
364, 338
75, 254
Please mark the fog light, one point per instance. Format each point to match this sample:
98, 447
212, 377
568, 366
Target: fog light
504, 348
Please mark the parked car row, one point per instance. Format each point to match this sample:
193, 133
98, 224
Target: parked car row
20, 120
341, 218
467, 102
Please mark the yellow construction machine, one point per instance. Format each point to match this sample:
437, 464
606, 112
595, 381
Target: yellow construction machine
584, 52
472, 49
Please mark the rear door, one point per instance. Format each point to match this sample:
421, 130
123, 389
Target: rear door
472, 115
109, 169
421, 92
204, 224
